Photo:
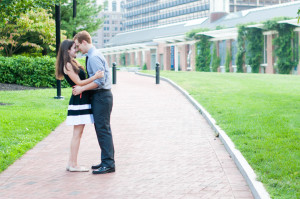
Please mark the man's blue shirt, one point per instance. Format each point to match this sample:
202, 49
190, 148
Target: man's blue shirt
96, 61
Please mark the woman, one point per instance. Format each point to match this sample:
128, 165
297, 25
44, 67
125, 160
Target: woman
79, 110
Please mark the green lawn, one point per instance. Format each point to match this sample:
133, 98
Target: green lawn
261, 114
32, 115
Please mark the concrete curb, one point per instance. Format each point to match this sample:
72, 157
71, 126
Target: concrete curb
256, 187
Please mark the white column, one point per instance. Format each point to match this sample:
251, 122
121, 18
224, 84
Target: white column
143, 57
135, 57
176, 58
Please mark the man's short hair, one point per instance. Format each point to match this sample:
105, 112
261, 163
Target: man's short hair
83, 35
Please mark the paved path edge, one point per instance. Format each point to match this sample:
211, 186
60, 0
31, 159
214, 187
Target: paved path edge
256, 187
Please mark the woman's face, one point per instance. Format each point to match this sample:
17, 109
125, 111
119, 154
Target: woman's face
72, 51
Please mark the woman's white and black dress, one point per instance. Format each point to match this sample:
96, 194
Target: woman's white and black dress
79, 110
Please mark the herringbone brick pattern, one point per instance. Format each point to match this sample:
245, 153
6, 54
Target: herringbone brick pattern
164, 149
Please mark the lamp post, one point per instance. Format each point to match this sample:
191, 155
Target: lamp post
74, 15
57, 26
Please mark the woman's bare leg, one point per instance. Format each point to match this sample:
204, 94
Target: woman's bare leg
75, 143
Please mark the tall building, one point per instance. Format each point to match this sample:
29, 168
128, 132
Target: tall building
238, 5
113, 22
141, 14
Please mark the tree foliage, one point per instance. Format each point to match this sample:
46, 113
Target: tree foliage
228, 60
11, 10
216, 60
255, 47
283, 45
15, 35
17, 29
203, 54
87, 12
193, 33
241, 48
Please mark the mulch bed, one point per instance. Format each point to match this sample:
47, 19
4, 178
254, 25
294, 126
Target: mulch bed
14, 87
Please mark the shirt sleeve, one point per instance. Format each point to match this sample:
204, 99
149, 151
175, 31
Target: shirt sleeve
95, 64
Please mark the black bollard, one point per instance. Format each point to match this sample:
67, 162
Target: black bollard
157, 72
114, 73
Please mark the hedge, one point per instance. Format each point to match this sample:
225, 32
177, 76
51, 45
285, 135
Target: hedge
29, 71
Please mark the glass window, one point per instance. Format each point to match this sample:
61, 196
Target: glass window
114, 6
222, 52
265, 59
122, 6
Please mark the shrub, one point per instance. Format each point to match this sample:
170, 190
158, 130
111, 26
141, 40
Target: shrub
203, 54
216, 60
29, 71
145, 66
227, 62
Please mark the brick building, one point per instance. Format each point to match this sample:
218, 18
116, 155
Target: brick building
169, 45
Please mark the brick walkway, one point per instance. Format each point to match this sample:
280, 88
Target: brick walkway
164, 149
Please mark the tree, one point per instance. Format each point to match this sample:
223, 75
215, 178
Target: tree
10, 10
228, 60
86, 16
203, 56
255, 46
283, 45
241, 48
216, 60
13, 35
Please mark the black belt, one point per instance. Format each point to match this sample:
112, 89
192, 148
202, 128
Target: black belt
100, 90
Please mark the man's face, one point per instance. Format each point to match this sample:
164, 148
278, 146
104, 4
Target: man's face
79, 46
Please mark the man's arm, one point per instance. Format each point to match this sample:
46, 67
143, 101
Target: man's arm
77, 90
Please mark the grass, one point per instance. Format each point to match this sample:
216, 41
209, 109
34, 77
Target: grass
30, 117
261, 115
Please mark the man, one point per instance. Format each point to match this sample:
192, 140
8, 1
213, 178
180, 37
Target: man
102, 100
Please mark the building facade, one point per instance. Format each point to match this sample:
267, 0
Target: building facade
141, 14
113, 22
238, 5
170, 46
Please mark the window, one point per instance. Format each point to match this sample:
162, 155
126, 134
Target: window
222, 52
114, 6
116, 28
122, 6
265, 49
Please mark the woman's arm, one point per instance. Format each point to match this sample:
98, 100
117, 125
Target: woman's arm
75, 77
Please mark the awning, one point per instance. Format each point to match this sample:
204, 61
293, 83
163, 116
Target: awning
293, 22
126, 48
223, 34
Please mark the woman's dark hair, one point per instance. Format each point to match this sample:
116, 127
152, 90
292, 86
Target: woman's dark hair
63, 58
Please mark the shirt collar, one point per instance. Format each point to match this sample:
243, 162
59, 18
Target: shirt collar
91, 50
